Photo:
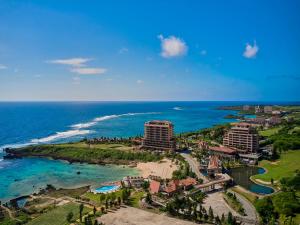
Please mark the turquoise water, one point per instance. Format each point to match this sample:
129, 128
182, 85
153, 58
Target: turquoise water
22, 177
105, 189
241, 177
23, 123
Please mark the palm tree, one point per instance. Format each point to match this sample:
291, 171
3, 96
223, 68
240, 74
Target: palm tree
119, 200
94, 210
80, 211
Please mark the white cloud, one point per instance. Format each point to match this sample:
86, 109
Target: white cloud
2, 67
76, 62
250, 50
123, 50
78, 65
172, 46
139, 81
88, 70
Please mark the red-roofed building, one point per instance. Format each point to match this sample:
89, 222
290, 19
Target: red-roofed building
188, 183
172, 187
203, 145
223, 152
154, 187
214, 166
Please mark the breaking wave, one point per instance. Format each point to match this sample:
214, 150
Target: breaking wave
76, 130
107, 117
60, 135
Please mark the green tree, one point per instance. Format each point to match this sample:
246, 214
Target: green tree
265, 208
94, 210
106, 203
102, 198
70, 216
88, 220
148, 198
210, 213
286, 203
230, 219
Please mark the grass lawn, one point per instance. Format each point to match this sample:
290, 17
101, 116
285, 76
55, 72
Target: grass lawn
58, 215
283, 167
95, 198
68, 192
269, 132
97, 146
248, 195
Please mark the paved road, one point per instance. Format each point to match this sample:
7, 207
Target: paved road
194, 165
249, 208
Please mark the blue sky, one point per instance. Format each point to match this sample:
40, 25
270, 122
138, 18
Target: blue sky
149, 50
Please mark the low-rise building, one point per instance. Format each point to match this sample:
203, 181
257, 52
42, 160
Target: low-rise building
188, 183
154, 187
251, 159
203, 145
136, 182
268, 109
246, 107
223, 152
172, 187
276, 112
274, 120
258, 109
214, 166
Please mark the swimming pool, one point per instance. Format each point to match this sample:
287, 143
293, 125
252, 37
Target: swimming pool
108, 188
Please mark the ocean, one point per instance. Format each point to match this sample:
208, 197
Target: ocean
24, 123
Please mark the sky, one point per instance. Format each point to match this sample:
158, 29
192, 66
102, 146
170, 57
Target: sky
149, 50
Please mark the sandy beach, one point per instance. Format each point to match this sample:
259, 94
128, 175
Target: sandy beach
164, 168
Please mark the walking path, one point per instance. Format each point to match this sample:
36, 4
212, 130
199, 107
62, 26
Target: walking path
10, 213
194, 165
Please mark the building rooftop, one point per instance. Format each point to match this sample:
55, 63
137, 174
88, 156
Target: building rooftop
158, 122
154, 186
172, 186
213, 162
188, 181
223, 149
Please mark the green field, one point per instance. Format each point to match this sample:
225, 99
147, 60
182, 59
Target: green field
90, 153
58, 215
269, 132
285, 166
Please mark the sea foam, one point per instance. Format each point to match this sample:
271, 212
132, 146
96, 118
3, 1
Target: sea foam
60, 135
107, 117
177, 108
77, 129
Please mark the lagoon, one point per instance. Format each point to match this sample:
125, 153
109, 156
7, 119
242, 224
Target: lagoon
24, 176
242, 176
